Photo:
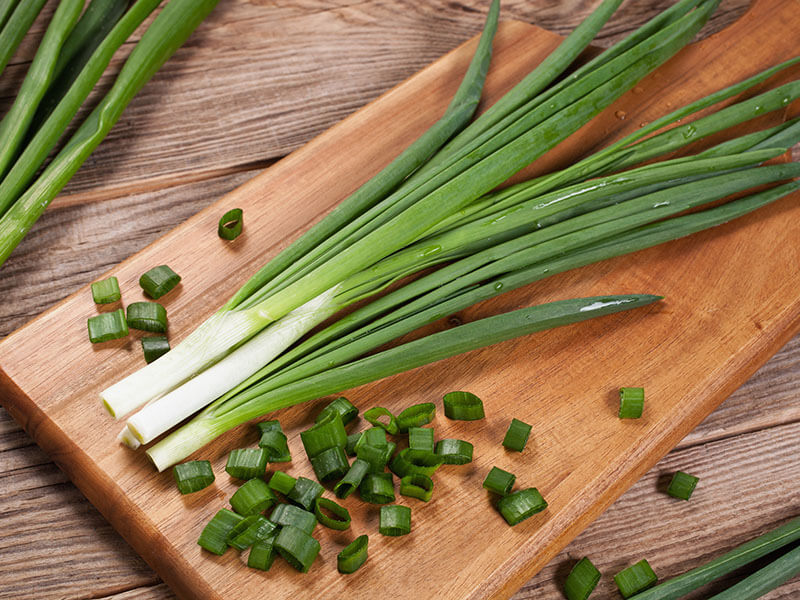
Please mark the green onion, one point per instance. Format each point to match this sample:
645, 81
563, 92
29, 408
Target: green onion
373, 415
775, 574
374, 436
395, 520
107, 326
417, 486
373, 449
282, 482
730, 561
499, 481
340, 519
352, 442
253, 497
463, 406
305, 492
330, 464
154, 346
352, 479
517, 435
215, 534
635, 579
106, 291
289, 515
247, 463
631, 402
265, 426
257, 528
158, 281
230, 224
327, 433
193, 476
277, 446
377, 488
454, 452
147, 316
297, 547
421, 439
518, 506
350, 559
16, 26
415, 416
582, 580
409, 462
262, 554
682, 485
347, 411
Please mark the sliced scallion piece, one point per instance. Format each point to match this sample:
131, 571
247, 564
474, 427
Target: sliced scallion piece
350, 559
215, 534
265, 426
158, 281
374, 415
106, 291
193, 476
499, 481
395, 520
352, 442
330, 464
258, 528
147, 316
415, 416
631, 402
328, 432
352, 479
582, 580
253, 497
347, 411
282, 482
417, 486
682, 485
107, 326
635, 579
154, 346
297, 547
288, 514
421, 439
463, 406
262, 554
410, 462
518, 506
377, 488
230, 224
277, 446
341, 516
517, 435
247, 463
305, 492
454, 452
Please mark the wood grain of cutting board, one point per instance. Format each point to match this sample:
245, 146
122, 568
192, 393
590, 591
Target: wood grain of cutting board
732, 298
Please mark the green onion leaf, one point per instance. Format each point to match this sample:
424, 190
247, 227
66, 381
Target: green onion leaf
347, 411
421, 439
682, 485
158, 281
330, 464
518, 506
282, 482
352, 479
147, 316
106, 291
373, 415
775, 574
395, 520
377, 488
247, 463
230, 224
499, 481
582, 580
107, 326
262, 554
297, 547
517, 435
215, 534
253, 497
154, 346
415, 416
340, 519
288, 514
454, 452
305, 492
463, 406
350, 559
635, 579
193, 476
631, 402
417, 486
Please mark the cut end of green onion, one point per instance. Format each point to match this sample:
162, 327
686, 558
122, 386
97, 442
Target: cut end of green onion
395, 520
374, 416
305, 492
415, 416
421, 439
520, 505
106, 291
582, 580
277, 446
463, 406
352, 479
107, 326
377, 488
417, 486
158, 281
154, 347
346, 409
282, 482
147, 316
517, 435
631, 402
330, 464
214, 536
253, 497
193, 476
327, 433
350, 559
231, 223
635, 579
454, 452
287, 514
297, 547
247, 463
414, 462
332, 515
262, 554
499, 481
682, 485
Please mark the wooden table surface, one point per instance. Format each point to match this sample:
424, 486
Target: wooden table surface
258, 79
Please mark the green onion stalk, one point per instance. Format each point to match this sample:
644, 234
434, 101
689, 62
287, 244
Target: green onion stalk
526, 129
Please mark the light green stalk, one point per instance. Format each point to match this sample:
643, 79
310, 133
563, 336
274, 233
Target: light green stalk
15, 28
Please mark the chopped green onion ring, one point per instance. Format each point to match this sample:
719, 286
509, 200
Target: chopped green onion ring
297, 547
417, 486
377, 488
147, 316
352, 479
682, 485
253, 497
350, 559
499, 481
582, 580
341, 516
106, 291
454, 452
215, 534
275, 443
631, 402
305, 492
517, 435
374, 414
262, 554
230, 224
518, 506
346, 409
395, 520
282, 482
330, 464
288, 514
247, 463
463, 406
421, 439
107, 326
326, 433
154, 347
411, 462
415, 416
193, 476
635, 579
158, 281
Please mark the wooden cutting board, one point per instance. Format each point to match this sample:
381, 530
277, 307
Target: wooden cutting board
732, 299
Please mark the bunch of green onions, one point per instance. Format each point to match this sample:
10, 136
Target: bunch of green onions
434, 204
76, 48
